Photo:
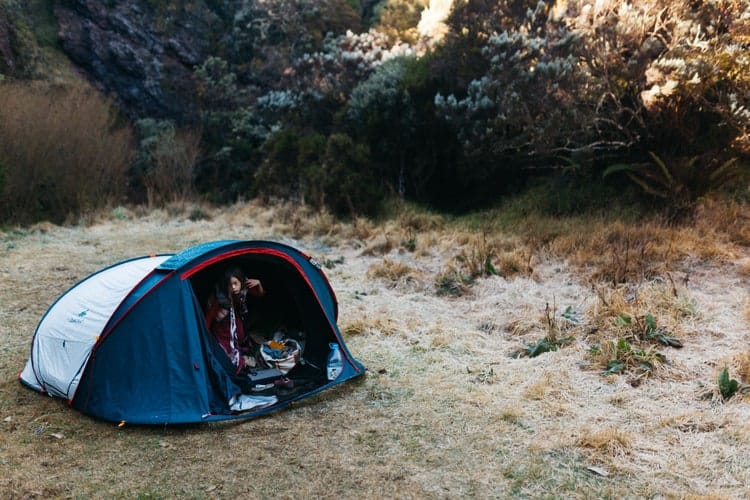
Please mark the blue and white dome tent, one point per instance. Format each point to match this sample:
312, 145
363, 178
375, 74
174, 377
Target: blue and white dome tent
130, 342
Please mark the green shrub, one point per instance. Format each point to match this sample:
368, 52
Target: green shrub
279, 173
346, 181
616, 357
682, 182
727, 387
332, 172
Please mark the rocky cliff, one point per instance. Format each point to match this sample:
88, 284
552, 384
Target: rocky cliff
7, 58
140, 52
146, 52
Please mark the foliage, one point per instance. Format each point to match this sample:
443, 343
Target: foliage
346, 182
524, 103
452, 283
621, 356
43, 22
555, 326
547, 344
246, 122
727, 387
414, 149
644, 328
681, 184
492, 96
165, 161
572, 79
381, 110
331, 172
399, 19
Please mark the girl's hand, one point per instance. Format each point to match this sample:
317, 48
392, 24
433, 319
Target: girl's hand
221, 314
254, 287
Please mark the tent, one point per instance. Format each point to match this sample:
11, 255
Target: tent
130, 343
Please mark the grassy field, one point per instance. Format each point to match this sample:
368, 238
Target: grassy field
447, 315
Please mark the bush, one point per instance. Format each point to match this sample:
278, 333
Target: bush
382, 112
166, 161
399, 19
64, 149
329, 172
346, 181
533, 85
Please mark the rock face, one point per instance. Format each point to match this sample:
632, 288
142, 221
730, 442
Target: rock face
7, 61
143, 52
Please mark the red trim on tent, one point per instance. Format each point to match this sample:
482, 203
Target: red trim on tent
276, 253
108, 328
199, 267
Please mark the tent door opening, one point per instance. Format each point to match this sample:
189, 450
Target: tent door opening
287, 314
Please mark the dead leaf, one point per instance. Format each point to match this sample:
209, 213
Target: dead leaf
598, 470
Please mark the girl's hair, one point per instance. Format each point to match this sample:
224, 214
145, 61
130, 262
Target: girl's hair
223, 292
232, 272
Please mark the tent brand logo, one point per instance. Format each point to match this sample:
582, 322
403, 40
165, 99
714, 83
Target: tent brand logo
78, 318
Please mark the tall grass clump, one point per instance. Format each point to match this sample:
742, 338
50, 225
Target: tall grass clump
63, 151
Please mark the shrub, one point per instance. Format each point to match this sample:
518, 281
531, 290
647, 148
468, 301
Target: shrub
620, 356
680, 184
332, 172
727, 386
64, 149
279, 175
531, 85
523, 100
451, 282
399, 19
346, 182
166, 161
382, 112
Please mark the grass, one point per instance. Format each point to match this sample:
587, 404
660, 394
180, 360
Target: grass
443, 411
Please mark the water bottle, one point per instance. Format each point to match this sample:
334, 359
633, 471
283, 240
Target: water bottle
335, 364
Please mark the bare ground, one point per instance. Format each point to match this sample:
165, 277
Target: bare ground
444, 410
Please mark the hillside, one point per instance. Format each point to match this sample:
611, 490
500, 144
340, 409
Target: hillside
347, 104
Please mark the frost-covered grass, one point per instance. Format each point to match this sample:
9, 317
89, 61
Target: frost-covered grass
444, 410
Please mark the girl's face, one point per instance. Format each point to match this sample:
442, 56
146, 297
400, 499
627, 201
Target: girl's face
235, 285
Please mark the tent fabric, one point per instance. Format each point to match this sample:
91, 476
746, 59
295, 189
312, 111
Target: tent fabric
130, 343
67, 333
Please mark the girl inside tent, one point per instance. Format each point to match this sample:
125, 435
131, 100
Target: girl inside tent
228, 314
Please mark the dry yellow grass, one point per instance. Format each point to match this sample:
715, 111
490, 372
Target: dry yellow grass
394, 273
443, 411
607, 441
